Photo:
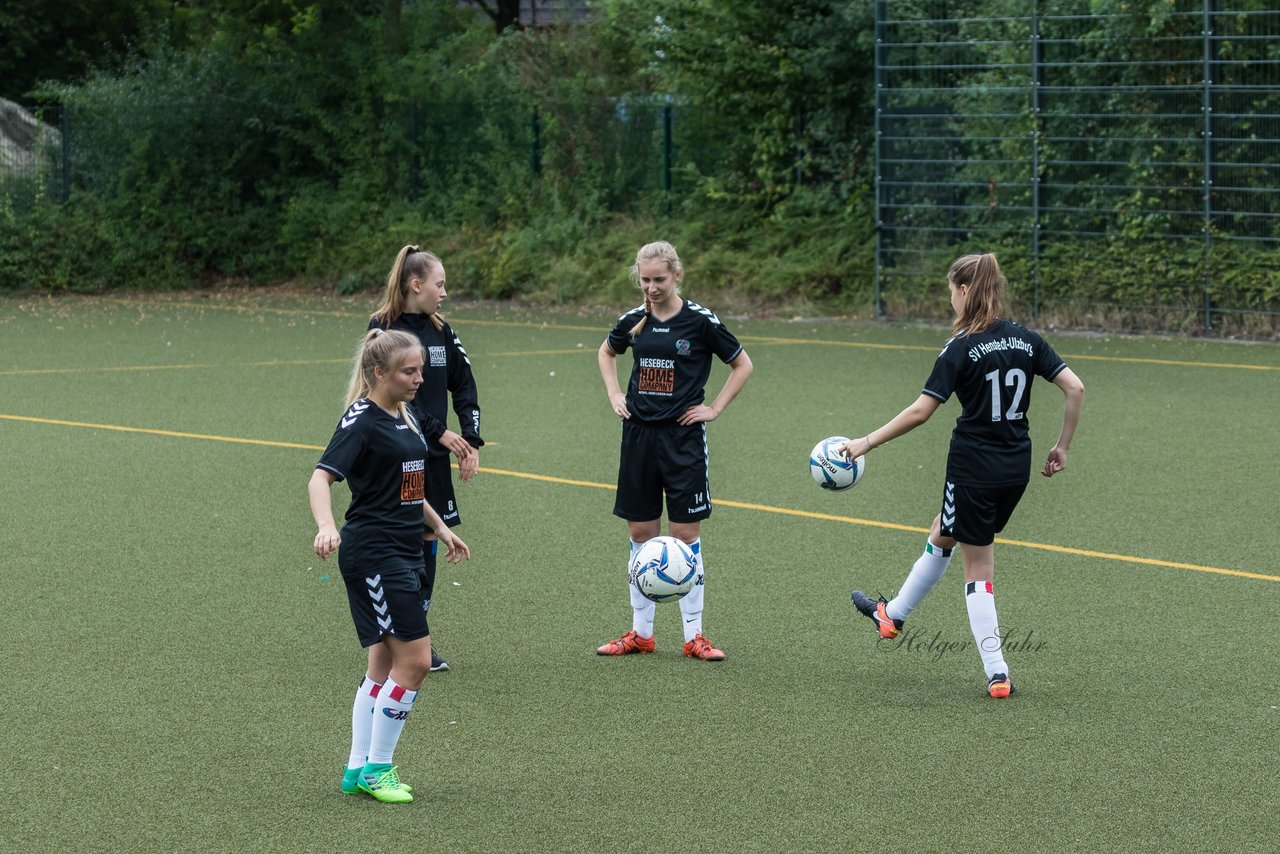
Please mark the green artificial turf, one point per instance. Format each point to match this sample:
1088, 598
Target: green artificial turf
179, 666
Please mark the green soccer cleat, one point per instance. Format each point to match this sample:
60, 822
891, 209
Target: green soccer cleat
383, 783
351, 781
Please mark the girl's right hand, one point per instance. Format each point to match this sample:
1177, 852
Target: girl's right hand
327, 542
855, 448
1056, 462
619, 404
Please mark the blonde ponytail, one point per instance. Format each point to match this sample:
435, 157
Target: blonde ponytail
385, 351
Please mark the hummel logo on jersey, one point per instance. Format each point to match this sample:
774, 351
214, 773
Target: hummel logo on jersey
354, 412
660, 329
457, 342
708, 313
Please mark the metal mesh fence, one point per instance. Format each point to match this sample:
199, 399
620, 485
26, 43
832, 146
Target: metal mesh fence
1127, 168
32, 159
459, 157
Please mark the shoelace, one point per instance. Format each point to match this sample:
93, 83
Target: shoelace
388, 779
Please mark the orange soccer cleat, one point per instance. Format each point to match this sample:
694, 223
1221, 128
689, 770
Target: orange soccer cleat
628, 644
700, 647
874, 609
1000, 686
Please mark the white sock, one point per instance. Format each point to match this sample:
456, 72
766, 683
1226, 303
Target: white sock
980, 599
642, 609
691, 604
362, 721
924, 575
390, 711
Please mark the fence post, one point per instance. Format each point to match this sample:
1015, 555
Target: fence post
415, 165
1206, 180
666, 157
535, 149
879, 152
1037, 79
65, 122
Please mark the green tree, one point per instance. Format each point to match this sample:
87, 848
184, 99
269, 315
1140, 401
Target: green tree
63, 42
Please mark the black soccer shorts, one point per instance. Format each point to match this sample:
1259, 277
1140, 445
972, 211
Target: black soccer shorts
440, 490
975, 514
658, 461
387, 601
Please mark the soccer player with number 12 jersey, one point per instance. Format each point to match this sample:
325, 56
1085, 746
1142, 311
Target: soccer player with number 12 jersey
989, 364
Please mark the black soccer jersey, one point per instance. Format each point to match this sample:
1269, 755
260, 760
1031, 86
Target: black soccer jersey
991, 374
446, 371
383, 461
672, 359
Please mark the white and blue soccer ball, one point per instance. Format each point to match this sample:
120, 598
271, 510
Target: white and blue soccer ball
664, 569
832, 469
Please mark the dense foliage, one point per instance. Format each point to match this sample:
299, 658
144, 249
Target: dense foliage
261, 141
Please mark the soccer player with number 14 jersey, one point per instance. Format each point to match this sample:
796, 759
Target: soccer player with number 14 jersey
664, 433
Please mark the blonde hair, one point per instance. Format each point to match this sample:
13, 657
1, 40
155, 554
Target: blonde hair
659, 250
411, 263
985, 298
384, 350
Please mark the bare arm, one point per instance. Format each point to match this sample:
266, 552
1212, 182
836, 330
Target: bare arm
318, 492
1073, 391
739, 372
608, 361
901, 424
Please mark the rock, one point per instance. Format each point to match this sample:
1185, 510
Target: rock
24, 141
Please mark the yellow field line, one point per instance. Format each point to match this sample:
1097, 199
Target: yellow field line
273, 363
743, 505
153, 432
760, 339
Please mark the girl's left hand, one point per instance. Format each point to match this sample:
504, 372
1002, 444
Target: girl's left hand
455, 444
697, 415
456, 548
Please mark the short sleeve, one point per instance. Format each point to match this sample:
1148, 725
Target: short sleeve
941, 383
1048, 363
723, 343
619, 339
340, 457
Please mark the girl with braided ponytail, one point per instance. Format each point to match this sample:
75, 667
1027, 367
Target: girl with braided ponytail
664, 432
